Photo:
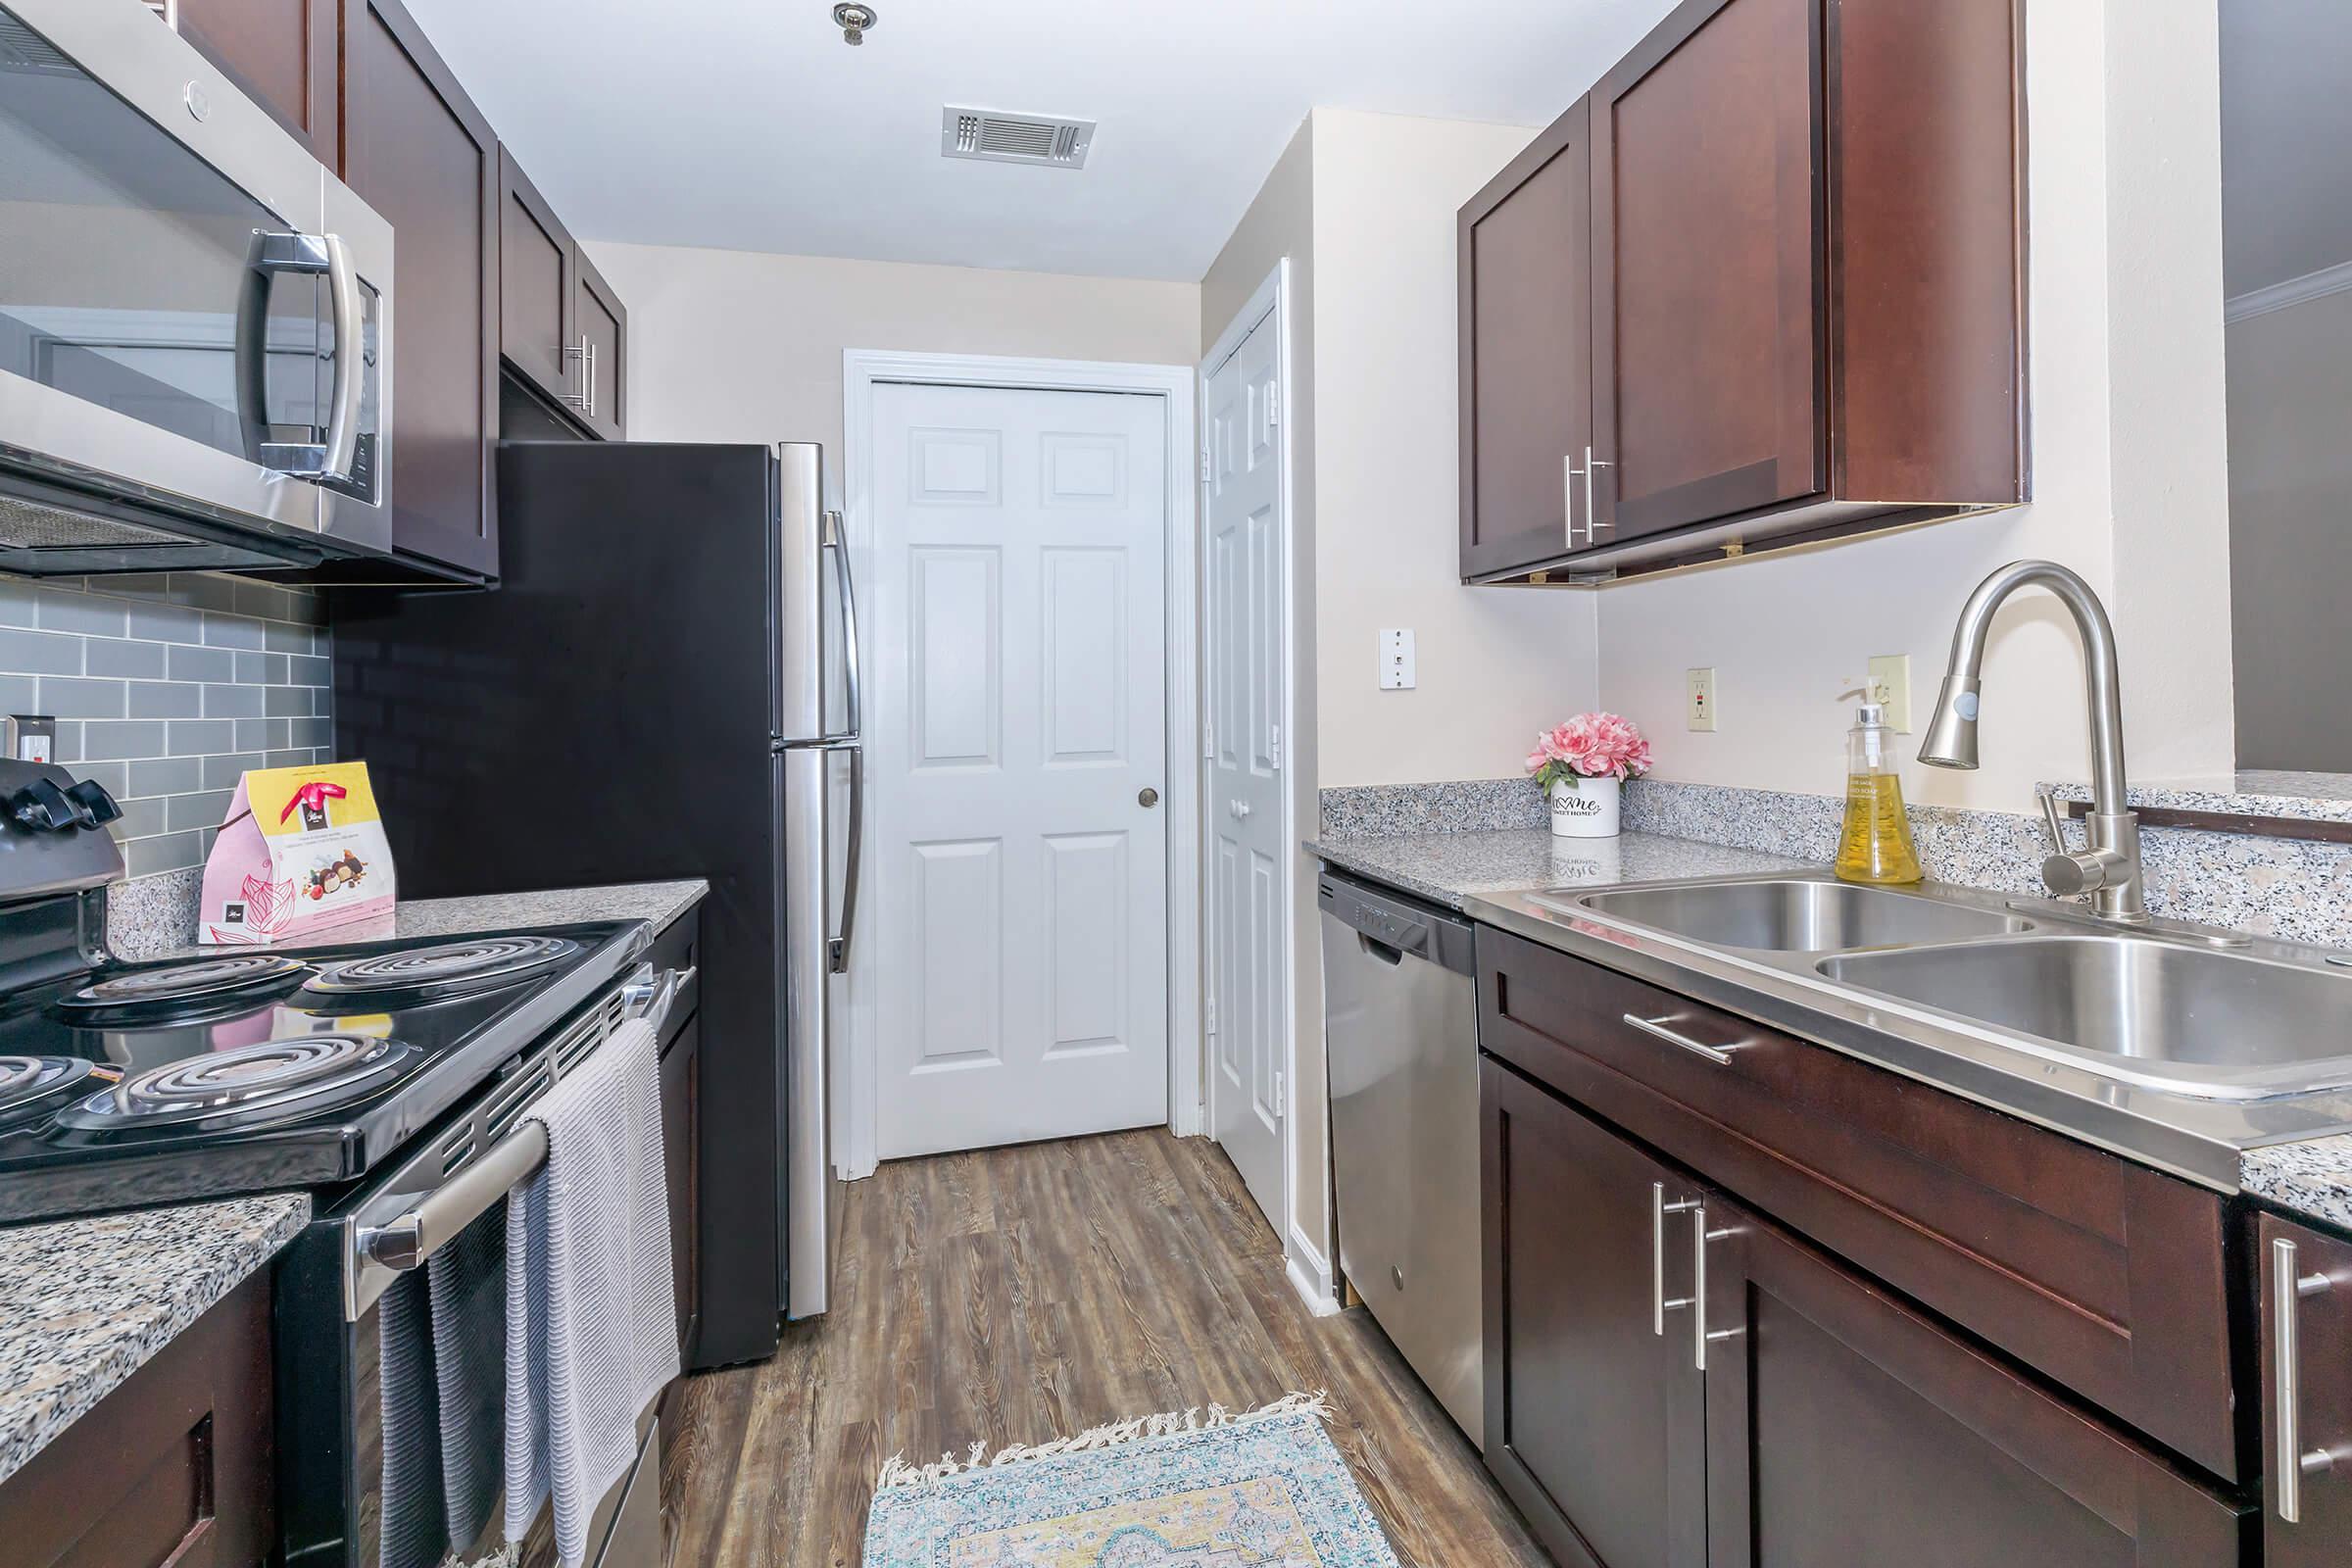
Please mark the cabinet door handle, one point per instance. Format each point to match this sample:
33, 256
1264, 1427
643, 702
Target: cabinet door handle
1659, 1208
2287, 1289
1700, 1335
1569, 474
1721, 1056
1593, 516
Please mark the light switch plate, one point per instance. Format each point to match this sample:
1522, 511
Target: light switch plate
1890, 689
1699, 703
1396, 660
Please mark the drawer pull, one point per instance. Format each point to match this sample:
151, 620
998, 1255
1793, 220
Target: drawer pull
1721, 1056
2289, 1288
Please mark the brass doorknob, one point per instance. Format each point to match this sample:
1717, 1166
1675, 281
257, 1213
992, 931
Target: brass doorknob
1147, 797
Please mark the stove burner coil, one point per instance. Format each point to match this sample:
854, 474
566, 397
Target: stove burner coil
299, 1074
27, 1080
468, 965
204, 980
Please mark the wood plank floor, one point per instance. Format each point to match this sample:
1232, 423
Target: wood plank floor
1019, 1295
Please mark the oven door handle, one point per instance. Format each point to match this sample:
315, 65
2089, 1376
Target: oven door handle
405, 1243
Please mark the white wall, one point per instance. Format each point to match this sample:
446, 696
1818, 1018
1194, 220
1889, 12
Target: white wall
1495, 664
744, 346
2126, 403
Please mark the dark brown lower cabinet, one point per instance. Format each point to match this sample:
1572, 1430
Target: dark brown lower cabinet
1805, 1415
2306, 1397
171, 1468
1844, 1426
1593, 1402
682, 1141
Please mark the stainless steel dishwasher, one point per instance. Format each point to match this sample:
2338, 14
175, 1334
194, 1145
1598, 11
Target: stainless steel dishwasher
1400, 1030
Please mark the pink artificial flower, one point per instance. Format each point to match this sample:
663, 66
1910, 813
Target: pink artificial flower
1590, 746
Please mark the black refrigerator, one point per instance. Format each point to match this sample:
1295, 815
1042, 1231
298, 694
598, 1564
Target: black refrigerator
663, 684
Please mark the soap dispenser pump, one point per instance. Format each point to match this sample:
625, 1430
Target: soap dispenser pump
1875, 846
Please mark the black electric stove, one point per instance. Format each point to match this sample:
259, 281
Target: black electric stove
243, 1069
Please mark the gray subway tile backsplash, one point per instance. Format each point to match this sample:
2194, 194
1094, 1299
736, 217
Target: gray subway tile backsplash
166, 689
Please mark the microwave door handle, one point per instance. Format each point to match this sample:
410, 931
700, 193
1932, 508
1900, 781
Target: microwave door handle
311, 255
351, 347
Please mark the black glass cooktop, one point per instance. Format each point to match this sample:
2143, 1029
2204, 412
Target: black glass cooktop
242, 1072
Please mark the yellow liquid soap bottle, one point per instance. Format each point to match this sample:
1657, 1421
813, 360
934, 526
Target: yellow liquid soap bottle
1875, 846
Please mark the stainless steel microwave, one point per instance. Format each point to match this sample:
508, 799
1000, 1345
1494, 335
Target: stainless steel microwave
195, 315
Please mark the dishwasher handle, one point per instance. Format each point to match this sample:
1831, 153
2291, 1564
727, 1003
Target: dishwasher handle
1388, 924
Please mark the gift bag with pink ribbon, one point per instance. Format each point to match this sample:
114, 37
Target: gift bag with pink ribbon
302, 851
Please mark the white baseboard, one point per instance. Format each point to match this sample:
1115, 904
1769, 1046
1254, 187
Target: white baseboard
1311, 1278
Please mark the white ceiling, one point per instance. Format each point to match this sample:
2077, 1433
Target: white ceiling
749, 124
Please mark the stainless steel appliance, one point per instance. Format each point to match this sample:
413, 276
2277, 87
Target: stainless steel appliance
1400, 1031
386, 1078
674, 629
195, 315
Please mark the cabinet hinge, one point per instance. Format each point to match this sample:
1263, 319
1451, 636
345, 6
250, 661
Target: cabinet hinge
1210, 1028
1209, 738
1273, 745
1282, 1101
1273, 403
1206, 470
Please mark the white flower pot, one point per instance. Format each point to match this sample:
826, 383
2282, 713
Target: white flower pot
1586, 808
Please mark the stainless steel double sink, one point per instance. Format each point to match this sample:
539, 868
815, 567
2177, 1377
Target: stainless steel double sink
2180, 1009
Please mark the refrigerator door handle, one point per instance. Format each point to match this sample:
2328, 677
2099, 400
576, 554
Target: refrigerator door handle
836, 951
832, 539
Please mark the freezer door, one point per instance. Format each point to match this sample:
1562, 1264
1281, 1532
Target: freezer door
810, 1195
799, 585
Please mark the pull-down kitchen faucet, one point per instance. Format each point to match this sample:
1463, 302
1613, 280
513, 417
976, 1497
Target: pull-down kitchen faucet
2108, 866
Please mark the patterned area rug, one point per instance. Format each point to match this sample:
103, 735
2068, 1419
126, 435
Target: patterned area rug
1198, 1489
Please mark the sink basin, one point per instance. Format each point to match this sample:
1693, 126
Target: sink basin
1792, 916
2192, 1020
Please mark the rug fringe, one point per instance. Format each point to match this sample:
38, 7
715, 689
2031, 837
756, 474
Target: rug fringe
897, 1472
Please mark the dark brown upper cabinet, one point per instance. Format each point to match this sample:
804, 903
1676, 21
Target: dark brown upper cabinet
1526, 352
1795, 293
281, 53
416, 150
604, 336
560, 327
2306, 1397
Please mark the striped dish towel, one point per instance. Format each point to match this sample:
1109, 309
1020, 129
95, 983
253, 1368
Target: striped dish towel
591, 1313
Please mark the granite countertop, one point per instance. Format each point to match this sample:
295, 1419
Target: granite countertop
1449, 867
2313, 1178
656, 902
86, 1303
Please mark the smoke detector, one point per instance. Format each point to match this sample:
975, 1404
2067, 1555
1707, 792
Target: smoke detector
996, 137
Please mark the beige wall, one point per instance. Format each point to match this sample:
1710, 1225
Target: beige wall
2124, 283
1495, 664
743, 346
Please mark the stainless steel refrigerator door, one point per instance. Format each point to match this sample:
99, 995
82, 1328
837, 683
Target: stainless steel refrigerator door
800, 596
811, 1195
1402, 1037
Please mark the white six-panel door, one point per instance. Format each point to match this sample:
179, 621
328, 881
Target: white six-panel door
1242, 802
1016, 749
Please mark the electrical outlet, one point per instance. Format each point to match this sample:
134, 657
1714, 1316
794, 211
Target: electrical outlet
1890, 689
1699, 708
1397, 661
32, 737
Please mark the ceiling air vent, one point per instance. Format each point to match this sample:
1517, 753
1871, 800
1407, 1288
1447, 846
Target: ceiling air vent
1002, 138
